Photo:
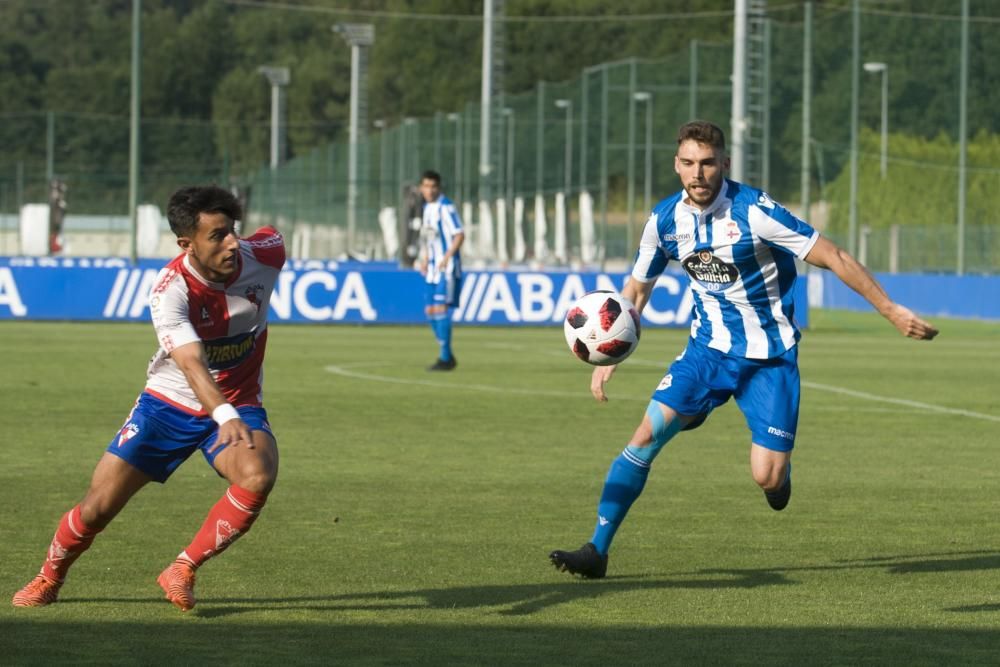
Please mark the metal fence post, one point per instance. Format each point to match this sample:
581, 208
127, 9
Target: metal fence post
630, 167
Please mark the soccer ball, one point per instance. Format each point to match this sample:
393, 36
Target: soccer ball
602, 328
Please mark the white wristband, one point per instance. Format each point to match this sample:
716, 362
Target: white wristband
224, 413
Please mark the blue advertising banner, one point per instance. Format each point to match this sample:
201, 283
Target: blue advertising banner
975, 297
320, 291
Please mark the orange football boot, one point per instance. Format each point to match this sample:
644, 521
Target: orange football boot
39, 592
177, 581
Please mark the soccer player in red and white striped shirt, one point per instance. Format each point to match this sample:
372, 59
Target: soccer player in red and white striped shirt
203, 392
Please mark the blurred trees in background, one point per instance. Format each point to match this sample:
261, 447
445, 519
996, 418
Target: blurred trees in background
206, 108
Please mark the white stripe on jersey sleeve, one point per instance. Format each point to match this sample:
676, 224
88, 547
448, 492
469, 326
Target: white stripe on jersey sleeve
452, 225
649, 247
776, 225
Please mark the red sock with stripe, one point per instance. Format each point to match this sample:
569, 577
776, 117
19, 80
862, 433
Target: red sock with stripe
72, 538
228, 519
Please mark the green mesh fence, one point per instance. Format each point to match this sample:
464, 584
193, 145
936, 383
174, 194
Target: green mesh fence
904, 216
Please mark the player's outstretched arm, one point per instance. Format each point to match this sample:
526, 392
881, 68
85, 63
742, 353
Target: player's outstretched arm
638, 293
826, 255
190, 358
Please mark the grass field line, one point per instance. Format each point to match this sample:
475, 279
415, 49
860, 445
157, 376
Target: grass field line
900, 401
915, 405
350, 370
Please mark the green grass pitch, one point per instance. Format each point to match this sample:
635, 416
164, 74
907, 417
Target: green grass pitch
414, 512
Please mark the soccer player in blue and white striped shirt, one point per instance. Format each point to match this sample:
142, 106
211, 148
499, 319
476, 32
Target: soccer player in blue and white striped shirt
738, 247
441, 264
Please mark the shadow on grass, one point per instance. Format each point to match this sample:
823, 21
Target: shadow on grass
513, 600
959, 561
975, 608
343, 641
525, 599
325, 628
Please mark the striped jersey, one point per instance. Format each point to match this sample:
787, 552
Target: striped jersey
230, 320
441, 224
739, 255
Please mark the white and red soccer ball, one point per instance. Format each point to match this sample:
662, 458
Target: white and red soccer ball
602, 328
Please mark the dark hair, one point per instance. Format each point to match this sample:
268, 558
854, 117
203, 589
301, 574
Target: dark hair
703, 132
431, 175
188, 203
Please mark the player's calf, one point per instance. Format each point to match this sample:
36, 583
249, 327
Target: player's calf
778, 497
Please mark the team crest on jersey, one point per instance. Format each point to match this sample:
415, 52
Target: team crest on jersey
709, 271
254, 293
732, 232
206, 318
128, 432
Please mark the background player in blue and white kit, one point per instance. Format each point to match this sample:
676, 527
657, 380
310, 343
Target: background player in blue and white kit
738, 247
441, 264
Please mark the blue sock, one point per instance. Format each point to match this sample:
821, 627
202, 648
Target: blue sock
622, 486
444, 336
436, 328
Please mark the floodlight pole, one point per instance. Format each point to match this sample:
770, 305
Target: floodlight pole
963, 145
509, 115
693, 80
133, 135
738, 119
806, 106
486, 104
380, 125
50, 147
647, 97
568, 159
278, 77
852, 210
876, 68
459, 180
358, 36
630, 170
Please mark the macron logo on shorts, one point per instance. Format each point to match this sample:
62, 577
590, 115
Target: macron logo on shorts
781, 434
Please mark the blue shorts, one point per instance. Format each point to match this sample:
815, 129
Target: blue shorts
444, 292
157, 437
766, 391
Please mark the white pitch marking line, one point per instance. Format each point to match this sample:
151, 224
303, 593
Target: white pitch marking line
900, 401
343, 370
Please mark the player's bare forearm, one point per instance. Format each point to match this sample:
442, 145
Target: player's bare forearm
826, 255
456, 243
191, 360
637, 292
